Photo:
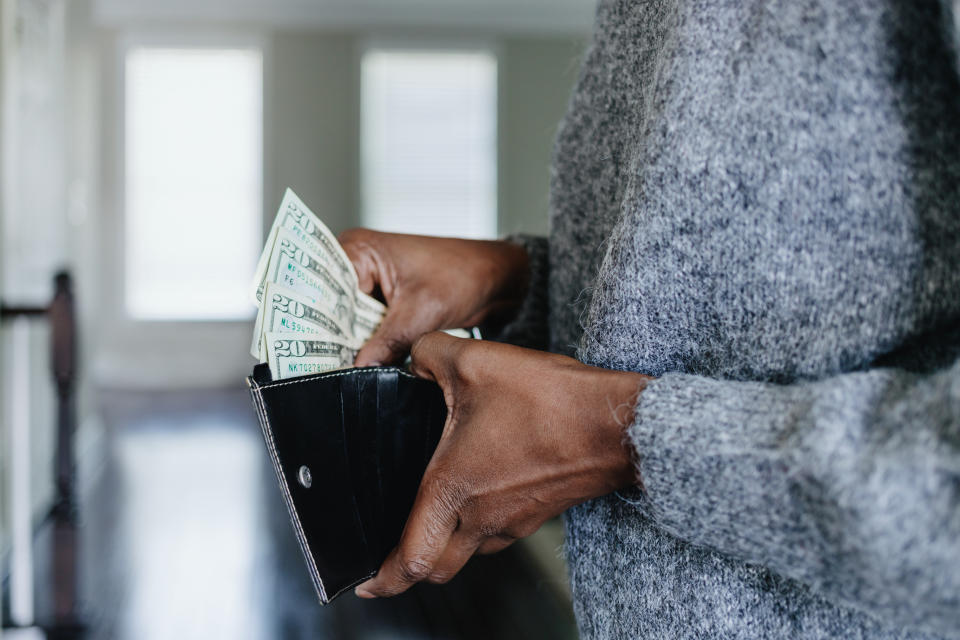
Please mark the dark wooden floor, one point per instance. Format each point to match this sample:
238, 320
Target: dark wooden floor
184, 536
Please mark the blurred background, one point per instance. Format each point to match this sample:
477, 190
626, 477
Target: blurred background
144, 150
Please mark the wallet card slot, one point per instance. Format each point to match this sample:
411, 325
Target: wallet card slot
359, 435
370, 419
419, 417
389, 466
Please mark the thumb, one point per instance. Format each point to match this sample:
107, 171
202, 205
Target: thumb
390, 342
433, 354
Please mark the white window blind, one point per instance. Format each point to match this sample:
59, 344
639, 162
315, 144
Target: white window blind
193, 181
428, 129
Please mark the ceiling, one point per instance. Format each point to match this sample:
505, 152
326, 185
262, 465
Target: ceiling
526, 16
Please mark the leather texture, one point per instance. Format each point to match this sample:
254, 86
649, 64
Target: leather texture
366, 436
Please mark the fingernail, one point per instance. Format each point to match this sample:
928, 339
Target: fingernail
363, 593
375, 363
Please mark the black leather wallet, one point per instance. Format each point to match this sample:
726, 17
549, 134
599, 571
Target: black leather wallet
349, 448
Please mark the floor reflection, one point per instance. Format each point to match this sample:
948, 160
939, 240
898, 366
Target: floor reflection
194, 525
184, 536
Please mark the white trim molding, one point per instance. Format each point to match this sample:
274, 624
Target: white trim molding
500, 16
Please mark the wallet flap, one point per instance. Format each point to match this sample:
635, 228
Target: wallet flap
302, 429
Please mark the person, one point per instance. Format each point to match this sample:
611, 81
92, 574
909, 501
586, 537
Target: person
738, 368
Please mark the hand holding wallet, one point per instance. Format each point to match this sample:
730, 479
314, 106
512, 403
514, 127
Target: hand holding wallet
350, 446
349, 449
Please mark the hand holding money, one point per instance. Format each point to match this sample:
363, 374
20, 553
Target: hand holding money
316, 310
432, 283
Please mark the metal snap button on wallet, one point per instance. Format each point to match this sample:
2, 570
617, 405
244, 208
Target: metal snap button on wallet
349, 448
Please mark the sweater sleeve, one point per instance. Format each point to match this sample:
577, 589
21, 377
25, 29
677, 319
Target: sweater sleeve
529, 327
850, 485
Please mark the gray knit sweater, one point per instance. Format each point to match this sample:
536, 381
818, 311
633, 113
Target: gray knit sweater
757, 202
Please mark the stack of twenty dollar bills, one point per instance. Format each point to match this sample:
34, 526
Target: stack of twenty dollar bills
312, 316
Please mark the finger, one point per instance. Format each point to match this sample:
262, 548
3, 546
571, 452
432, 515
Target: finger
390, 342
460, 549
421, 546
357, 245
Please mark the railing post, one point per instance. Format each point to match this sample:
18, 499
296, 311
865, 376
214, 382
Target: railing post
63, 361
63, 350
61, 314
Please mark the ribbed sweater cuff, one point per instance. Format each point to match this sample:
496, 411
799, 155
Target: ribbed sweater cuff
703, 454
528, 327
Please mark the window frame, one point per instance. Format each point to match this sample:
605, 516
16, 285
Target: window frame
186, 38
413, 43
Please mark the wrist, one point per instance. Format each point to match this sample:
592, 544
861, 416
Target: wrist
508, 278
613, 402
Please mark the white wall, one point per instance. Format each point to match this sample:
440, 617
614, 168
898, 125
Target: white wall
34, 230
500, 16
4, 399
536, 77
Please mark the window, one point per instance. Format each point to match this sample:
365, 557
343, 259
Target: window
429, 147
193, 181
